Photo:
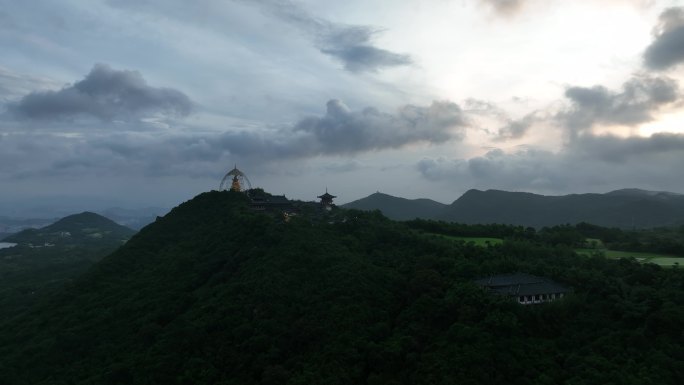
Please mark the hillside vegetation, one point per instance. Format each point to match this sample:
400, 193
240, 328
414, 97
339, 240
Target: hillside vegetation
214, 293
79, 229
44, 259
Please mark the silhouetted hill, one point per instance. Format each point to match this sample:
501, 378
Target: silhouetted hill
44, 259
625, 208
83, 228
216, 293
399, 208
622, 208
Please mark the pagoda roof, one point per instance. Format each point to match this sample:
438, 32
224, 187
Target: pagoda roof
235, 172
327, 196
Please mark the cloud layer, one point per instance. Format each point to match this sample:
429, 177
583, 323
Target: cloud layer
591, 163
340, 131
105, 94
667, 49
636, 103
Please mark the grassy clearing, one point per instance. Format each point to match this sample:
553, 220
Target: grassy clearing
658, 259
667, 261
479, 241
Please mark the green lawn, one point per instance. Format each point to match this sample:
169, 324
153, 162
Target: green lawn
658, 259
480, 241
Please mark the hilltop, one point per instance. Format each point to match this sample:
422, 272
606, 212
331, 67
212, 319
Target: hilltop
627, 208
79, 229
399, 208
217, 293
45, 259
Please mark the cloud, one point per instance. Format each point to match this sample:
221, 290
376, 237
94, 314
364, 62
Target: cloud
517, 128
667, 48
105, 94
340, 131
608, 148
341, 167
636, 103
590, 163
504, 7
14, 85
344, 131
352, 45
529, 169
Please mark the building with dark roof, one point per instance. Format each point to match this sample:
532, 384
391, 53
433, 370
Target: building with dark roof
527, 289
327, 200
264, 201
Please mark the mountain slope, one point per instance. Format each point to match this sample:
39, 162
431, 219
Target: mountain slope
84, 228
623, 209
399, 208
215, 293
45, 259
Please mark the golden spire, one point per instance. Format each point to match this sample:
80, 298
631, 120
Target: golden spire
235, 186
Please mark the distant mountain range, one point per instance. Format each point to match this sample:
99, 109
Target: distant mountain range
626, 208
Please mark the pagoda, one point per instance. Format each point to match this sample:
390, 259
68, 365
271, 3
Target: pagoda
327, 200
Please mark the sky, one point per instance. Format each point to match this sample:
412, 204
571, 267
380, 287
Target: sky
149, 102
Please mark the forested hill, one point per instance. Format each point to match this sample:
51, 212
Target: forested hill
627, 208
399, 208
78, 229
214, 293
46, 258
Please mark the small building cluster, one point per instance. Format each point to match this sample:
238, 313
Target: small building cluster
261, 201
526, 289
236, 180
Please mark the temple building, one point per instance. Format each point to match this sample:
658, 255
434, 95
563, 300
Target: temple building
327, 200
263, 201
526, 289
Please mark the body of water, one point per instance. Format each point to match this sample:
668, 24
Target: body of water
5, 245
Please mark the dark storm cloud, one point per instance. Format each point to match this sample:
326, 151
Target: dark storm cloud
352, 45
639, 98
667, 49
106, 94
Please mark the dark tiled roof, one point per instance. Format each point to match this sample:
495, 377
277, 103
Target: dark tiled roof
277, 199
521, 284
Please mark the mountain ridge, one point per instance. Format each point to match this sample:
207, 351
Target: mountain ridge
624, 208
